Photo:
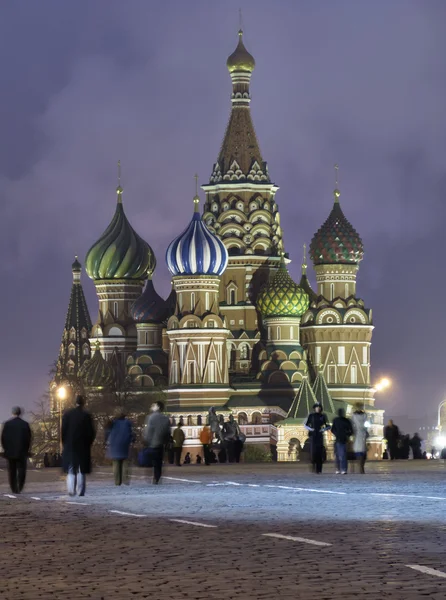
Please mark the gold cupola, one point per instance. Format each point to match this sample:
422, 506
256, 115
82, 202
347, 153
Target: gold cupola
241, 60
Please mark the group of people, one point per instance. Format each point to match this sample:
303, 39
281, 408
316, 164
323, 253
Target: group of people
342, 429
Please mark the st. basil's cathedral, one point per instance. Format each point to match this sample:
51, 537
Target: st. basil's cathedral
236, 333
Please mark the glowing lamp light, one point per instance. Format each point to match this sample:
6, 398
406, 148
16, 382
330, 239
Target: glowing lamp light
383, 384
62, 393
367, 424
440, 441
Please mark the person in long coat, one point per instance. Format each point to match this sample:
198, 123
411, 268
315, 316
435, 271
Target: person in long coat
316, 424
119, 440
361, 434
16, 442
78, 435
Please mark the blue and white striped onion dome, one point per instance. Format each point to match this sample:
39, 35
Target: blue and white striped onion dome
197, 251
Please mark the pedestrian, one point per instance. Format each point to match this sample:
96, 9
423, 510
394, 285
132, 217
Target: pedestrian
360, 433
415, 444
46, 460
170, 451
317, 423
16, 442
392, 434
342, 430
178, 441
156, 436
206, 440
78, 435
120, 438
198, 459
187, 458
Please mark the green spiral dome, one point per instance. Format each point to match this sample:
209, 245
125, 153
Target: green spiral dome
97, 372
120, 253
281, 297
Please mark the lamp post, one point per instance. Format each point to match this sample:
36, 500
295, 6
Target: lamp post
382, 385
61, 394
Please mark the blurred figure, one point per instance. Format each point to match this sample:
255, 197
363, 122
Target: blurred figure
120, 438
178, 441
170, 451
317, 424
342, 430
415, 444
360, 433
392, 434
187, 458
16, 442
156, 436
206, 440
46, 460
198, 459
78, 435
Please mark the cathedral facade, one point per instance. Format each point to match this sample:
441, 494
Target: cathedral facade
236, 333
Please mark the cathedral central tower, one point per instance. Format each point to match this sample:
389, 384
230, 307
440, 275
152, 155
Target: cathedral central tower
241, 209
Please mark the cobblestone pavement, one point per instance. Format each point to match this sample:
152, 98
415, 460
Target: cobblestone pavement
202, 535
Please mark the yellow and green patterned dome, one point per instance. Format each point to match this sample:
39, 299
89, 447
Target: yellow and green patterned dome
281, 297
120, 253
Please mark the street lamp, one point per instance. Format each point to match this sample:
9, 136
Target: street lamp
61, 394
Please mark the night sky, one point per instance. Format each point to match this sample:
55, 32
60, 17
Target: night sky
357, 83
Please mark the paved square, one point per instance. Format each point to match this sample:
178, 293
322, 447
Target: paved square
222, 532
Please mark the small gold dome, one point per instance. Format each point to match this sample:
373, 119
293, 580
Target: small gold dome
240, 59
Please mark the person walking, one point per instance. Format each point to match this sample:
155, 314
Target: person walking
392, 434
178, 441
120, 438
415, 444
16, 442
78, 435
317, 423
156, 436
206, 441
342, 429
360, 433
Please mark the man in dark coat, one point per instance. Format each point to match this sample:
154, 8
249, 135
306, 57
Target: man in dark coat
316, 424
119, 439
78, 434
342, 429
156, 436
16, 443
392, 434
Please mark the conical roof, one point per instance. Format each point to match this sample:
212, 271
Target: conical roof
303, 402
97, 372
120, 253
281, 297
322, 394
336, 242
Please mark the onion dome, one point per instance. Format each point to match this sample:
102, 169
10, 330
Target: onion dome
281, 297
336, 242
149, 307
197, 251
76, 267
97, 372
240, 59
120, 253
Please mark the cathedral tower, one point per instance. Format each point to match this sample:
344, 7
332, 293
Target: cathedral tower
241, 209
119, 263
337, 329
198, 357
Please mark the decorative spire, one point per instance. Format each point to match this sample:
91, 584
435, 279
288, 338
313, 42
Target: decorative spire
119, 188
304, 261
196, 197
336, 192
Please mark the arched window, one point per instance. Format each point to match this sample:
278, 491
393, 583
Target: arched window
192, 301
256, 418
242, 418
115, 309
72, 333
207, 300
244, 352
354, 376
331, 291
278, 334
190, 421
72, 350
232, 299
346, 290
86, 350
199, 420
291, 333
